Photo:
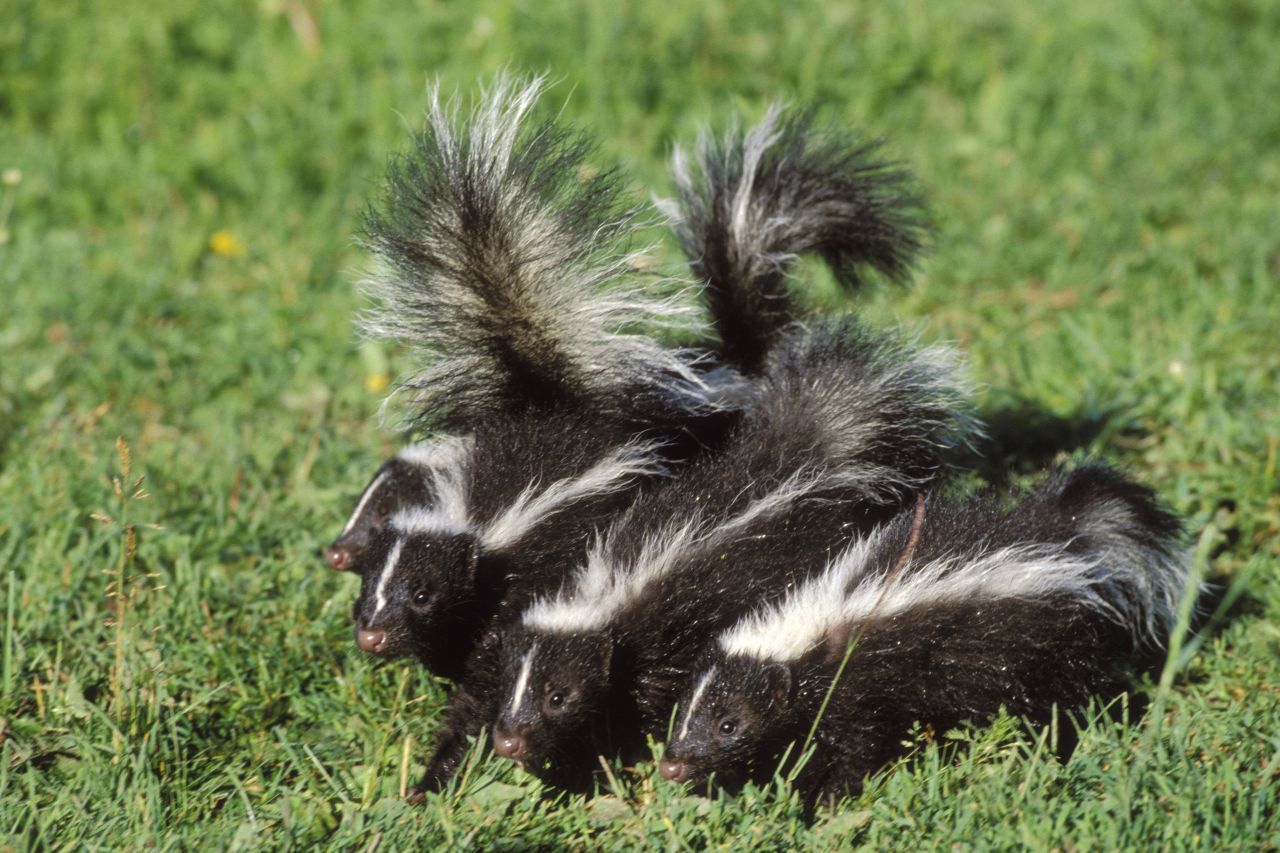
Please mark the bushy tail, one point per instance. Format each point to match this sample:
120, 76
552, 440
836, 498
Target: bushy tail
748, 206
873, 408
500, 265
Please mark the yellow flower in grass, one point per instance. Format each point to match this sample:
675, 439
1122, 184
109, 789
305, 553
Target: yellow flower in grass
377, 381
226, 244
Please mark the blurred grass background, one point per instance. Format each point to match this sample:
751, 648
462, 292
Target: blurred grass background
182, 183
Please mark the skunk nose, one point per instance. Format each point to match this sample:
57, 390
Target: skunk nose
371, 641
338, 557
676, 771
509, 745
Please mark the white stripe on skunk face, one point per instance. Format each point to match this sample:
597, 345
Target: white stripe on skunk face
368, 495
522, 680
696, 699
552, 689
388, 570
731, 713
415, 590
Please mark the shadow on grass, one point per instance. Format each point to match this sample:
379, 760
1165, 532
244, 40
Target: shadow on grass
1024, 437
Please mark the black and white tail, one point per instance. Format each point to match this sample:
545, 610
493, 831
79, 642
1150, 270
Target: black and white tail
879, 411
749, 205
501, 263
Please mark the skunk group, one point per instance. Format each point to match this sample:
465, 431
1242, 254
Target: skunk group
750, 550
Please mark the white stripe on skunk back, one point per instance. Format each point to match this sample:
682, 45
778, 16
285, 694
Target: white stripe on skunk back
448, 512
616, 472
609, 582
601, 587
1096, 580
932, 376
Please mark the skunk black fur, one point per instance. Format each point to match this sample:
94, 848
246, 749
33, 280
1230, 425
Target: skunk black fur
844, 427
1028, 608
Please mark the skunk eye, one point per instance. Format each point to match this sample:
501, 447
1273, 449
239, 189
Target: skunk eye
555, 700
728, 727
421, 597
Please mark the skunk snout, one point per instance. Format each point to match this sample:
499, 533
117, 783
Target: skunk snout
339, 557
371, 641
509, 745
675, 771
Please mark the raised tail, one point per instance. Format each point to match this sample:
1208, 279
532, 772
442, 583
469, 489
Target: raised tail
749, 205
501, 264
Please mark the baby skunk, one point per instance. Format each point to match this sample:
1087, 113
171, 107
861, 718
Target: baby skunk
1042, 605
404, 480
571, 420
844, 428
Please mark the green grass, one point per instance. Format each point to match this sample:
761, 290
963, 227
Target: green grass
1106, 183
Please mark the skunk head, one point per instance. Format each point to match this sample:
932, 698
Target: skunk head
728, 719
413, 588
554, 685
399, 483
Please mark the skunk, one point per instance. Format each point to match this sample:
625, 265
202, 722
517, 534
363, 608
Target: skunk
844, 428
947, 614
437, 574
491, 241
404, 480
499, 265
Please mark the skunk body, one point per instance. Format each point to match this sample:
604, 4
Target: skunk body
844, 427
405, 480
944, 617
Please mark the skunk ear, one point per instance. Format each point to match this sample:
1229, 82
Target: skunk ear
778, 678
